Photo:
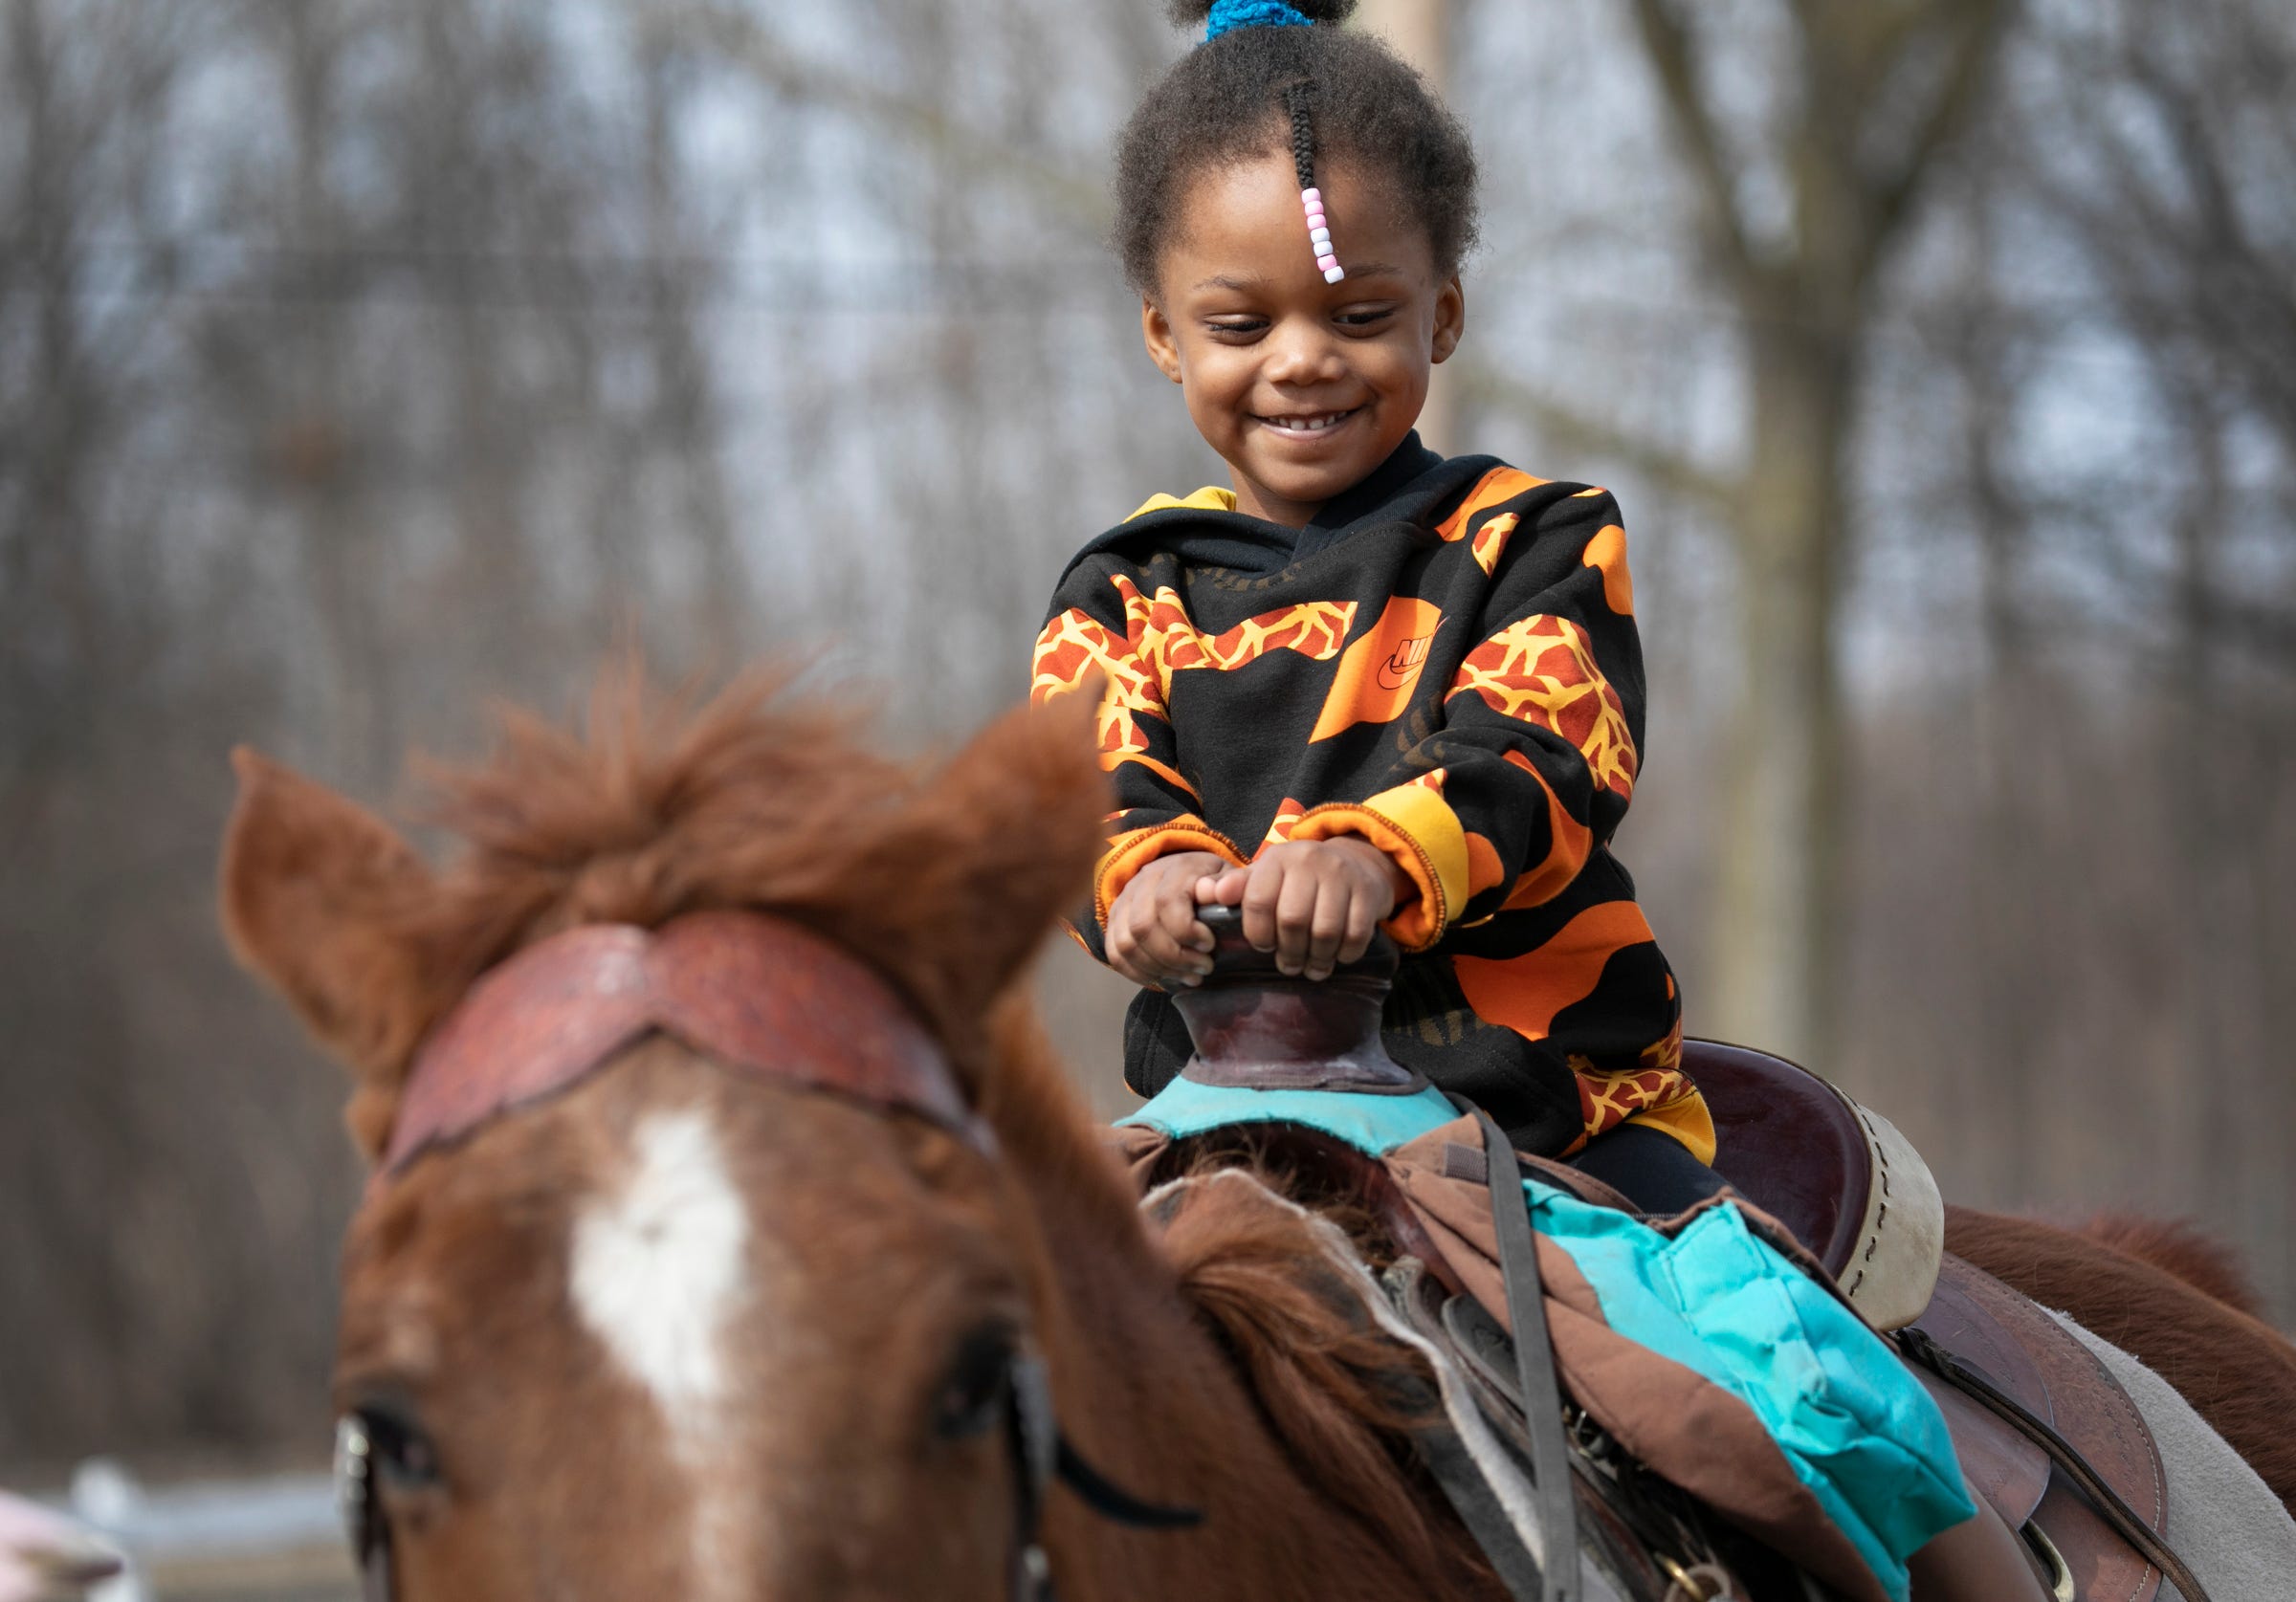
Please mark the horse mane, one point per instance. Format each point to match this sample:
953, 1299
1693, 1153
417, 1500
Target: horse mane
1337, 1390
2182, 1248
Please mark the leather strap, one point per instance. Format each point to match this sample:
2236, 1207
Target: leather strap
1465, 1486
1534, 1368
1918, 1344
1110, 1501
767, 997
1041, 1453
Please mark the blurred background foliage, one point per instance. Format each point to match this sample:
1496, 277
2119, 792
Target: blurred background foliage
363, 360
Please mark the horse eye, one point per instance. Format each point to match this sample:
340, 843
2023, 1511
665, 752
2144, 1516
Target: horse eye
971, 1398
403, 1455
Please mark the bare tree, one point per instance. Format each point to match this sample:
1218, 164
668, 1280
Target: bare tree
1798, 207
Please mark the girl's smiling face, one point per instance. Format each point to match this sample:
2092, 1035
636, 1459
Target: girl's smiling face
1303, 388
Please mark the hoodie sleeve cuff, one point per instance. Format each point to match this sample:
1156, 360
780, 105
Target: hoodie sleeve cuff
1128, 853
1417, 827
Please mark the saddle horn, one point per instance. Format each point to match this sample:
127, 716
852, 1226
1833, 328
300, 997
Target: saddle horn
1261, 1029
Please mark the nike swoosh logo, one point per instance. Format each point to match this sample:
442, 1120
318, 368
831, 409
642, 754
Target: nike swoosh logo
1403, 665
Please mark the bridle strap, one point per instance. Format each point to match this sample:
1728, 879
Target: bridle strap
1111, 1501
363, 1519
761, 994
1041, 1453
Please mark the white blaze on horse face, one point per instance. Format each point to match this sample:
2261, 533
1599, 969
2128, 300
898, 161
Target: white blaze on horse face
658, 1270
659, 1274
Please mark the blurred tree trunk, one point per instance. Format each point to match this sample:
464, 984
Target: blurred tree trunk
2174, 195
1420, 32
2008, 912
1871, 94
464, 213
312, 450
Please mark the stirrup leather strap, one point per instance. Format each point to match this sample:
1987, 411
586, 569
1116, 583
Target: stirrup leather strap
1918, 1344
1535, 1367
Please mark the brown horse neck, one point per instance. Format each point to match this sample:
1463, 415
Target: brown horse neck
1150, 1395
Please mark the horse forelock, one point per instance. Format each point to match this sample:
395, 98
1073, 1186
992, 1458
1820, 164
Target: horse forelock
755, 799
658, 806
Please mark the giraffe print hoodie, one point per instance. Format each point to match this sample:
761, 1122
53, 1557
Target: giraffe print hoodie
1444, 662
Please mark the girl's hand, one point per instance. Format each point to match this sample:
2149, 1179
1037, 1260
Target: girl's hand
1154, 937
1314, 902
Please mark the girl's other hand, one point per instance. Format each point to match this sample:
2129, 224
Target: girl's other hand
1314, 902
1153, 935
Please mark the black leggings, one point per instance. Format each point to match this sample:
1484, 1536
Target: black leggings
1653, 1171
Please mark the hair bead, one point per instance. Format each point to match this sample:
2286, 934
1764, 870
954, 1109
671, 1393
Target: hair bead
1296, 99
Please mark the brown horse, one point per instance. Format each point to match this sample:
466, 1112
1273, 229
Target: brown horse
674, 1335
678, 1331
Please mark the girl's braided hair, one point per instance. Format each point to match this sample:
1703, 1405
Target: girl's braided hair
1317, 91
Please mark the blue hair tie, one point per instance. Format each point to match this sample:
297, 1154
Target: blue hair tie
1228, 15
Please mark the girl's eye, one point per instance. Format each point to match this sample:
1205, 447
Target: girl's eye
1244, 326
1367, 317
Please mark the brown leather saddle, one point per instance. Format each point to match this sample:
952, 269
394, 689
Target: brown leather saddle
1795, 1147
1843, 1182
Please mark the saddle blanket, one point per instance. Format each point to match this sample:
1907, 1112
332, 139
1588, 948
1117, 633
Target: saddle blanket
1709, 1345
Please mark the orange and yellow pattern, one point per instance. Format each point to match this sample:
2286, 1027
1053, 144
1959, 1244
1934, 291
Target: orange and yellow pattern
1607, 551
1288, 815
1160, 640
1165, 641
1491, 541
1570, 843
1661, 1098
1069, 650
1380, 671
1527, 998
1496, 488
1541, 669
1459, 711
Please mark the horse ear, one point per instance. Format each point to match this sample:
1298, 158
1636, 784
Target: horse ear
979, 865
310, 883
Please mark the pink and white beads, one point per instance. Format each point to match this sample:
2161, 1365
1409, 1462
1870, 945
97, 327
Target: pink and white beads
1319, 234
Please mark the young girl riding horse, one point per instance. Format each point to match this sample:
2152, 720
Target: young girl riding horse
1367, 686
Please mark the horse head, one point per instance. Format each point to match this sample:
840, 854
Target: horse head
667, 1328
